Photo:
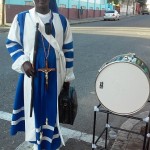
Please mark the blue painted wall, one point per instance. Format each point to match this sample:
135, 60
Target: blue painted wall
69, 3
16, 2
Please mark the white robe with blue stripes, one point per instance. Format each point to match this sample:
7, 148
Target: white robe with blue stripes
20, 44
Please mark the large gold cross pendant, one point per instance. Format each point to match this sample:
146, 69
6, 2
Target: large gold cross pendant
46, 70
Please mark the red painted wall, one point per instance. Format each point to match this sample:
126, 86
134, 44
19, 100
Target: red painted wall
64, 11
138, 8
102, 12
72, 13
12, 10
97, 13
90, 13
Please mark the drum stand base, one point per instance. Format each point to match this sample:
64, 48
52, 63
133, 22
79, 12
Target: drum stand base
146, 135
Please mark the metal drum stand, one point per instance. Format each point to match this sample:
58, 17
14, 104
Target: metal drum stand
146, 135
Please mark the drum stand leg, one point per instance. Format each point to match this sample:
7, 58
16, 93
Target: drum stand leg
146, 141
147, 135
94, 125
96, 109
107, 126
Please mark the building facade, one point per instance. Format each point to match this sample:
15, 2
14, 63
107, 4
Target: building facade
72, 9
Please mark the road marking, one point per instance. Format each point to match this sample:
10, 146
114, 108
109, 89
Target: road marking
67, 134
119, 31
5, 116
93, 92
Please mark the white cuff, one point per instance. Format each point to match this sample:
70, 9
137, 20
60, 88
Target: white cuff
69, 75
17, 65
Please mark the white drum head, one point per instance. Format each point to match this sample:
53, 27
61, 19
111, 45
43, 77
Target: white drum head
123, 88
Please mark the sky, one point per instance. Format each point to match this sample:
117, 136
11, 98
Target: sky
148, 2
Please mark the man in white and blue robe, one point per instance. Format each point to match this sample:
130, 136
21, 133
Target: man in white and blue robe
42, 128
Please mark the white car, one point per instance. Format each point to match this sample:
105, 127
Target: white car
111, 15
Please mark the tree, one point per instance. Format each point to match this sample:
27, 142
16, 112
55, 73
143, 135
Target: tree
142, 2
114, 1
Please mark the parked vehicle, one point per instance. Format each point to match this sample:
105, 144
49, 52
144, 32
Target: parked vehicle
111, 15
145, 11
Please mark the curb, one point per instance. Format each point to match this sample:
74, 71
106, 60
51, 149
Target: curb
125, 140
85, 20
72, 22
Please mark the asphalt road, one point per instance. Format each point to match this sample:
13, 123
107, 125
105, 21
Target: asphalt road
95, 43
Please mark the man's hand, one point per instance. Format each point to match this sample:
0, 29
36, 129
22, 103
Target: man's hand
28, 69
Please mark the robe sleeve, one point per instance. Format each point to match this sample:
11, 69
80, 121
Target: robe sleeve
69, 54
15, 47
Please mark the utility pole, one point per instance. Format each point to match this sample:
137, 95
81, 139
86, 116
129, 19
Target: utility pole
68, 9
100, 7
3, 12
133, 7
127, 7
87, 9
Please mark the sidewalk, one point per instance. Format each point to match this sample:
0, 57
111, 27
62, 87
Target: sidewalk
124, 140
79, 21
130, 141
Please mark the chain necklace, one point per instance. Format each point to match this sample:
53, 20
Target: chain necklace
46, 70
45, 53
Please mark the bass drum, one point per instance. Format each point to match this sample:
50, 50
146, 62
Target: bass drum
122, 85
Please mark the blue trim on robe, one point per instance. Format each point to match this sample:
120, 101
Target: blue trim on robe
69, 54
18, 104
68, 46
69, 64
14, 48
55, 142
10, 41
17, 55
21, 20
63, 22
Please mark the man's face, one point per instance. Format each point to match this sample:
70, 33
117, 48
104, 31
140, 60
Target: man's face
41, 4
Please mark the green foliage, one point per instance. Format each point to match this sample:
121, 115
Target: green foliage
114, 1
142, 2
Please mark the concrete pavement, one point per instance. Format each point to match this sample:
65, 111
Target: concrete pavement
130, 141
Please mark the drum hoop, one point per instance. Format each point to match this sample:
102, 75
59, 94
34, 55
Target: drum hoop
108, 64
129, 61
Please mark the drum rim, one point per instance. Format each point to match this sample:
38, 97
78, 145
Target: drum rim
130, 62
110, 63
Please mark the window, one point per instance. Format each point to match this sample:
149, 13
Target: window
83, 7
62, 6
74, 6
110, 11
30, 3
